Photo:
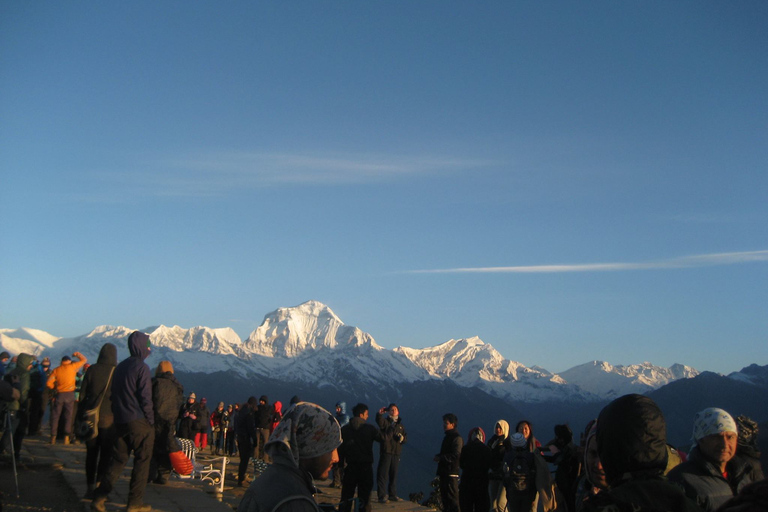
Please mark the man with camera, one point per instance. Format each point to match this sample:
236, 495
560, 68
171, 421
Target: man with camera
393, 436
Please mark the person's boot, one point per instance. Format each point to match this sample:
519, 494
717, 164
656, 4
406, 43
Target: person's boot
53, 439
66, 439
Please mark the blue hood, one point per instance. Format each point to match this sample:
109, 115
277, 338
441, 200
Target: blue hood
138, 345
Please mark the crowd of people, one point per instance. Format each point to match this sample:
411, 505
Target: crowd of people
621, 461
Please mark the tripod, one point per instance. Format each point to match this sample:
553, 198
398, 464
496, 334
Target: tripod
10, 432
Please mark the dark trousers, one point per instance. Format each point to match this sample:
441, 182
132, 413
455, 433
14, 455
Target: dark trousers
98, 454
386, 475
36, 411
138, 437
62, 413
357, 476
473, 495
245, 447
449, 493
520, 501
165, 443
231, 447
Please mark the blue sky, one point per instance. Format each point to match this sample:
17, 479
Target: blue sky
569, 181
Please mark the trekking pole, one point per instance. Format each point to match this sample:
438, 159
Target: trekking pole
13, 450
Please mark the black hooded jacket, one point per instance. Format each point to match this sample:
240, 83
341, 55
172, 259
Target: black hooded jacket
97, 384
632, 444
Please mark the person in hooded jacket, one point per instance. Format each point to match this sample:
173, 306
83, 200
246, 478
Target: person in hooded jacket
97, 387
356, 453
632, 445
475, 462
167, 397
18, 409
499, 445
134, 423
712, 474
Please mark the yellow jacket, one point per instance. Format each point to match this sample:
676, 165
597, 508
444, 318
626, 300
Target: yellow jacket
62, 378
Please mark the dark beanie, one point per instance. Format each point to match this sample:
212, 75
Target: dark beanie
66, 358
252, 401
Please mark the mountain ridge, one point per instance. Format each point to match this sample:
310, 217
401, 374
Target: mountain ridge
309, 343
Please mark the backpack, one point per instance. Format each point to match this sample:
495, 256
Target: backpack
520, 471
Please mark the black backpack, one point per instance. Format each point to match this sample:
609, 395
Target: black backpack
520, 470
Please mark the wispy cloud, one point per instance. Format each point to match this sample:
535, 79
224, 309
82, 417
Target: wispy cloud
701, 260
216, 173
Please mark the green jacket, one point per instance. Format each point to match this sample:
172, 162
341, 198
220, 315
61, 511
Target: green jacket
21, 371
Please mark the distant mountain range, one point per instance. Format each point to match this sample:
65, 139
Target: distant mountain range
308, 351
310, 344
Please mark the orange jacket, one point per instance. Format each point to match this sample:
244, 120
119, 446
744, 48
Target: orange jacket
62, 378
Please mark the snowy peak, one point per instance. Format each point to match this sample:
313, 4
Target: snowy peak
469, 361
197, 339
608, 380
289, 332
25, 340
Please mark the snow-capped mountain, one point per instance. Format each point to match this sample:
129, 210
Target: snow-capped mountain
199, 349
471, 362
310, 344
30, 341
604, 379
289, 332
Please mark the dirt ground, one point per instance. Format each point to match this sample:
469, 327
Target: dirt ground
41, 488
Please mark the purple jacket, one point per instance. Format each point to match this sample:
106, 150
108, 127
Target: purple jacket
132, 383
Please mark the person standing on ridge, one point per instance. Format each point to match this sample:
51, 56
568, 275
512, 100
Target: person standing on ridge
134, 424
96, 391
448, 463
393, 437
62, 381
356, 452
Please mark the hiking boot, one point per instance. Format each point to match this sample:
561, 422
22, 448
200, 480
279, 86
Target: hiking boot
66, 439
99, 504
138, 508
53, 439
395, 498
